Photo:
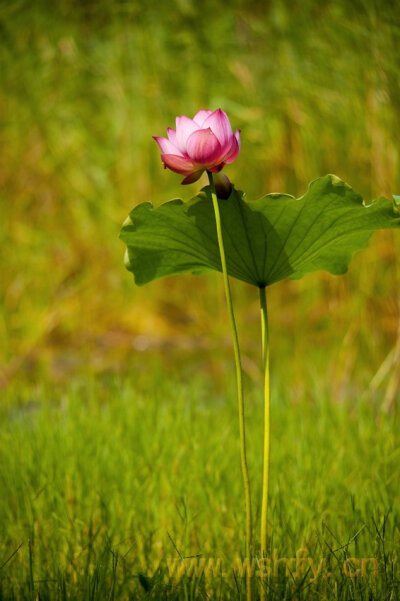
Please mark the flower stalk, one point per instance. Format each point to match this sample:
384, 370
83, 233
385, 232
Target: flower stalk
240, 396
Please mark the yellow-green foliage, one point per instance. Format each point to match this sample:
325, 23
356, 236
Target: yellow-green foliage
314, 88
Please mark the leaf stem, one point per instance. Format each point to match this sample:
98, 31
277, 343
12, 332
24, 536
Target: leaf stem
265, 361
239, 382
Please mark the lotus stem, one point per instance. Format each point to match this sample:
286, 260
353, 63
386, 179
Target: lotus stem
239, 382
264, 501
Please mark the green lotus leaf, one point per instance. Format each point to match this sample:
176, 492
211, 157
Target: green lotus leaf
267, 240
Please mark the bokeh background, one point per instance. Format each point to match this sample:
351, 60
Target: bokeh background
314, 87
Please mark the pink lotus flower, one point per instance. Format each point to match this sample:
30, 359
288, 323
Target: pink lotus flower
204, 142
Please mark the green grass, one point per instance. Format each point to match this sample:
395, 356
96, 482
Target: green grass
104, 483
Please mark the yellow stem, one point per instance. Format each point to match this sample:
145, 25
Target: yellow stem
239, 382
265, 360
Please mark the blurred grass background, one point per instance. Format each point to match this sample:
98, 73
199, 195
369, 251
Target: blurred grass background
314, 87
